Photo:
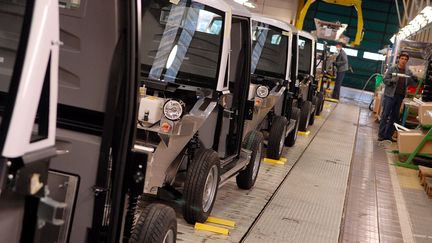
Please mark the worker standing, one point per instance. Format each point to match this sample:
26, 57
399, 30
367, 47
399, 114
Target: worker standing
341, 64
396, 80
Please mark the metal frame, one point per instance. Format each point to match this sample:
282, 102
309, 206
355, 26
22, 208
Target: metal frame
349, 3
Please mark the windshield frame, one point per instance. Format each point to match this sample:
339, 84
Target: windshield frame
9, 98
286, 37
188, 80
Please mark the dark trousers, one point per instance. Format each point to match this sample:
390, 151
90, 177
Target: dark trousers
338, 82
390, 115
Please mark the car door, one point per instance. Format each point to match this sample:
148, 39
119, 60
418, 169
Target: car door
29, 44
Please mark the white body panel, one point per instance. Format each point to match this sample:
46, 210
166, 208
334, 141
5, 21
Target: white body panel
43, 41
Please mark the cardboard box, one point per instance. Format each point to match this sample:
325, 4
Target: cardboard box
425, 113
409, 140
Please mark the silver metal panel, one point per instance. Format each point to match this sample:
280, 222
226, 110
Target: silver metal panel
309, 204
244, 206
161, 159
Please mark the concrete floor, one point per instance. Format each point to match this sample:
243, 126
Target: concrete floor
338, 185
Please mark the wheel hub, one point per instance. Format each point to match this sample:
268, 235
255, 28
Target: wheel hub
210, 188
169, 237
257, 162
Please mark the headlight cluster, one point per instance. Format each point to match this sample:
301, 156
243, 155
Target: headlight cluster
173, 109
262, 91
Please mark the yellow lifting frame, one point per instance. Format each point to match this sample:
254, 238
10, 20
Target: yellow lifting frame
349, 3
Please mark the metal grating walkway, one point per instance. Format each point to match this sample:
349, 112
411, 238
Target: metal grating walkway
244, 206
308, 206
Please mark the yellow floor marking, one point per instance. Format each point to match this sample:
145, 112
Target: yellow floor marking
304, 133
408, 178
327, 106
283, 159
211, 228
273, 161
318, 117
225, 222
332, 100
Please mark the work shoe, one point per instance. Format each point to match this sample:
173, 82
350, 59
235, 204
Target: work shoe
381, 139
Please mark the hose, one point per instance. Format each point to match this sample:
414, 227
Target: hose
364, 88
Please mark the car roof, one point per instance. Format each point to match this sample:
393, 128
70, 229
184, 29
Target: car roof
275, 22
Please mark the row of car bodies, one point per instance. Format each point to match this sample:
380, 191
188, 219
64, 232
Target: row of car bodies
159, 98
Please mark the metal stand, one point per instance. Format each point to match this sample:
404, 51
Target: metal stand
409, 162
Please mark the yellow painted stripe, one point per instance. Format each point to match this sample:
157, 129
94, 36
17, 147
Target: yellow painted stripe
327, 106
304, 133
211, 228
225, 222
283, 159
318, 117
273, 161
332, 100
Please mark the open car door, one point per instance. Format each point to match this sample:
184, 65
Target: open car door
29, 47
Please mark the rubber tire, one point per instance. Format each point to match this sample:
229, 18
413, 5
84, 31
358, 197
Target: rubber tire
312, 115
252, 142
304, 116
153, 224
276, 135
194, 185
292, 137
321, 103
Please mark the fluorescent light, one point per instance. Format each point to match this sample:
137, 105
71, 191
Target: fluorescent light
249, 5
373, 56
351, 52
393, 39
333, 49
245, 3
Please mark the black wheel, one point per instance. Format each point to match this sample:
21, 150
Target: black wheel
276, 138
304, 116
247, 177
320, 97
201, 185
312, 115
157, 223
292, 137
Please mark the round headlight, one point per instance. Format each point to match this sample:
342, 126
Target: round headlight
262, 91
173, 110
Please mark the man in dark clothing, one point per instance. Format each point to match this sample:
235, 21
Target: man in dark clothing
341, 64
396, 80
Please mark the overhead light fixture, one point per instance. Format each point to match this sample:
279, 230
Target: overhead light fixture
393, 39
416, 24
245, 3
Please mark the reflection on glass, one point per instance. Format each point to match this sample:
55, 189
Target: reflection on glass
270, 51
11, 20
181, 42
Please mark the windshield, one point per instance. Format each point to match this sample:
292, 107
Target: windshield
12, 45
182, 42
305, 55
270, 50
